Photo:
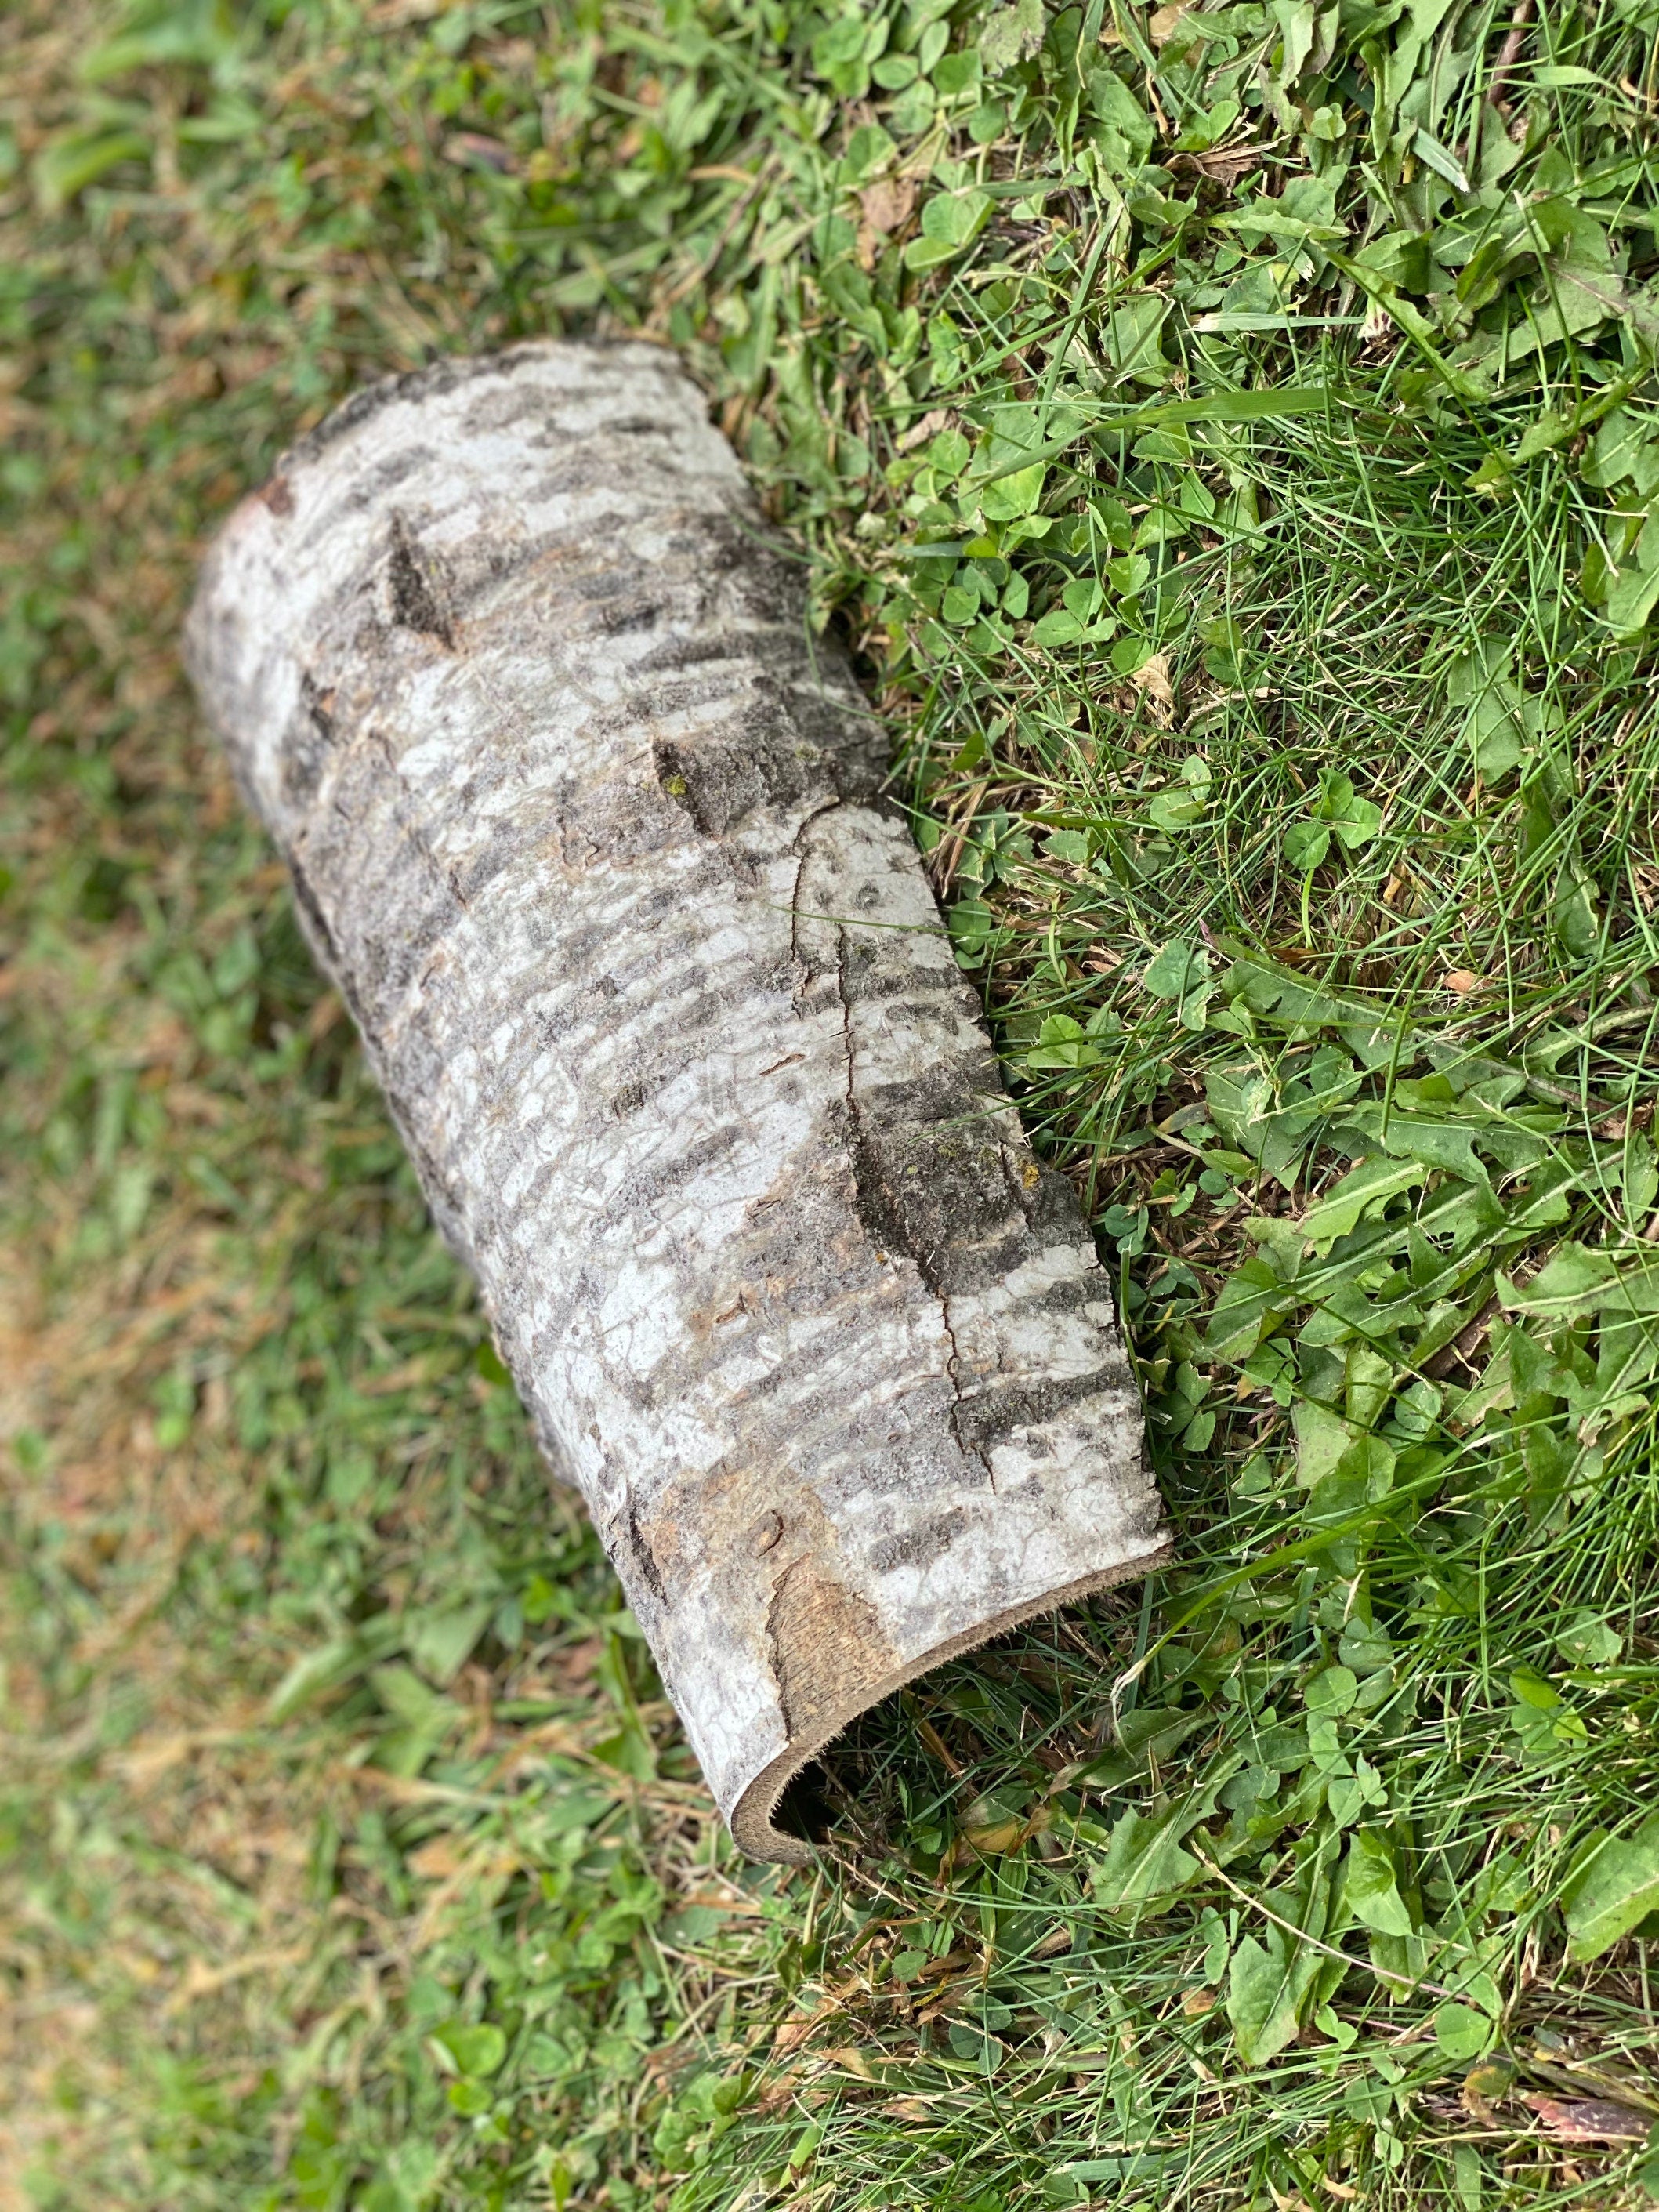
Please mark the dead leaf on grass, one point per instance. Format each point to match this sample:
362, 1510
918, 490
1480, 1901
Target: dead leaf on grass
1152, 680
437, 1860
884, 208
472, 150
850, 2060
991, 1824
790, 2034
1592, 2120
935, 420
1225, 165
949, 1964
941, 1750
889, 204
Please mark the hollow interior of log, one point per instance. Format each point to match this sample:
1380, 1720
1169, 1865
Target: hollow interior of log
766, 1824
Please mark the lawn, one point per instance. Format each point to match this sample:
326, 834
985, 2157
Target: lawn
1225, 437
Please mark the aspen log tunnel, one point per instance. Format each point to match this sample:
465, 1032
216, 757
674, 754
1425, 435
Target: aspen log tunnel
588, 831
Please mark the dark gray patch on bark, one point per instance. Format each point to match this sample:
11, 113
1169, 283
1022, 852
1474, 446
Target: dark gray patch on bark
309, 742
777, 750
623, 621
396, 470
642, 1189
1049, 1204
928, 1163
918, 1548
984, 1417
420, 597
881, 1207
506, 842
641, 1557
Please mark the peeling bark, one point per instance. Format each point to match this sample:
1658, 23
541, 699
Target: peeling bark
589, 834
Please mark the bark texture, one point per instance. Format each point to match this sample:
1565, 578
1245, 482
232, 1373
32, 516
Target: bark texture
588, 832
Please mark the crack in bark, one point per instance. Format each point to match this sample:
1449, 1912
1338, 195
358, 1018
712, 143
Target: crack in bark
640, 1552
804, 852
971, 1445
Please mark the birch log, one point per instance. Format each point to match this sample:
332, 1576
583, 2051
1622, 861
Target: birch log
587, 831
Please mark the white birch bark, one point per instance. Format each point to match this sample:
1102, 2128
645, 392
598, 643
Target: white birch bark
589, 836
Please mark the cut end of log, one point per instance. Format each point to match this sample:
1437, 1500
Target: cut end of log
590, 834
755, 1816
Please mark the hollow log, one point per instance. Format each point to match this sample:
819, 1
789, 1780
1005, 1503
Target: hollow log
588, 829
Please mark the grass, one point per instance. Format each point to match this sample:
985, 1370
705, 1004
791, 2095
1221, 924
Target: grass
1287, 763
